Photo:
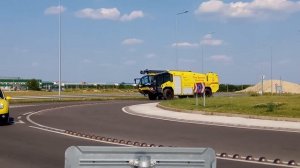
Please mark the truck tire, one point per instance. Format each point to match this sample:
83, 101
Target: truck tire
7, 120
168, 94
208, 92
152, 96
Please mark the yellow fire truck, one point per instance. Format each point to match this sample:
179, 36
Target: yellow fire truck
170, 83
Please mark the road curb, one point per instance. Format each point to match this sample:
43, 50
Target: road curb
228, 114
221, 124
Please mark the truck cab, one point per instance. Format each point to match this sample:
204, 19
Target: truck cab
145, 84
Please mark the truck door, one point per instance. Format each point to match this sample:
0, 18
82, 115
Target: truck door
177, 85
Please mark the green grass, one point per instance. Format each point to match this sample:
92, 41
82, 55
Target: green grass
97, 95
72, 92
287, 106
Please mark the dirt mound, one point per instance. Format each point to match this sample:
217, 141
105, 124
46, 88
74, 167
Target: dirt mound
277, 87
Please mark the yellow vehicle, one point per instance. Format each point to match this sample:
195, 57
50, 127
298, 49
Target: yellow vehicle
172, 83
4, 108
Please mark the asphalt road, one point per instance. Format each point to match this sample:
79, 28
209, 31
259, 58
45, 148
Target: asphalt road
25, 146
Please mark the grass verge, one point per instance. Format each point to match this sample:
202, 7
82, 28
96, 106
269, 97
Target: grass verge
73, 95
287, 106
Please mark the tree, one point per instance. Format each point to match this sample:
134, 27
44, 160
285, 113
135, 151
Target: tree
33, 84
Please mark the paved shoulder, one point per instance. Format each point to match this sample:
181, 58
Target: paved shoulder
151, 110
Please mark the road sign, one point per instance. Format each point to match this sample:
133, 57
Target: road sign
139, 157
199, 88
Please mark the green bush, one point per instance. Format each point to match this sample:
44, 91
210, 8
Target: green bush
33, 84
232, 88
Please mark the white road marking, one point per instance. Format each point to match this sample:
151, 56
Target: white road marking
45, 110
95, 140
20, 106
19, 122
27, 113
40, 125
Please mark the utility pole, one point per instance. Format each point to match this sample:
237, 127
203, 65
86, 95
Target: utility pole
202, 54
59, 50
271, 53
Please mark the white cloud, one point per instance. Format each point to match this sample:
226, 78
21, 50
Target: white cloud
252, 9
54, 10
209, 40
210, 7
185, 45
99, 14
132, 41
108, 14
221, 59
133, 15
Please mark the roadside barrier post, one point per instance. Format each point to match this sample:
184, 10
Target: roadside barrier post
139, 157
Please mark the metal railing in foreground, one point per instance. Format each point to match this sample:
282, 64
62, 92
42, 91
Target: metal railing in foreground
139, 157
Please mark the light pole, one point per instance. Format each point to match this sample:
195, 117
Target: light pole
271, 54
176, 27
202, 61
59, 50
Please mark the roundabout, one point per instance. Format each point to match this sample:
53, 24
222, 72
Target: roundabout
104, 123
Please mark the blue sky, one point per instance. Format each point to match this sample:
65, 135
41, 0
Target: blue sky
111, 41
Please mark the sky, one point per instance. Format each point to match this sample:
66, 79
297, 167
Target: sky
107, 41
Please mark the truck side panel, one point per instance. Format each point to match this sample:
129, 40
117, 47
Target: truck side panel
177, 85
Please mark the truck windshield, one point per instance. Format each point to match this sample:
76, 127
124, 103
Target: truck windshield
146, 80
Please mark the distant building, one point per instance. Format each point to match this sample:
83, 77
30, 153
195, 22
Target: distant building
15, 83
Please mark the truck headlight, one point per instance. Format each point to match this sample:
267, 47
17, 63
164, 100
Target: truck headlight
1, 106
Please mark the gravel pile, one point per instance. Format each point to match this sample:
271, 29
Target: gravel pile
277, 87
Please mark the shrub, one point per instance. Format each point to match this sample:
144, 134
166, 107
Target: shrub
33, 84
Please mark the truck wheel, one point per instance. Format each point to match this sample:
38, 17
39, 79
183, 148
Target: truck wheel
208, 92
168, 94
7, 119
152, 96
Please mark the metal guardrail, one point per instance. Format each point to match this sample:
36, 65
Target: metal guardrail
139, 157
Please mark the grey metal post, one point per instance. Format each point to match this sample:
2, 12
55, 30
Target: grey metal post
271, 52
202, 53
262, 84
59, 51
